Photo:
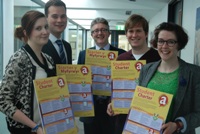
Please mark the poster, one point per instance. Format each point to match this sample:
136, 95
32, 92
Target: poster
149, 109
54, 104
79, 79
124, 81
100, 61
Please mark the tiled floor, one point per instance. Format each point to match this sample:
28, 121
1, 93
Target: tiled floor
3, 126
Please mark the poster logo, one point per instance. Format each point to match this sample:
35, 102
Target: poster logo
84, 70
111, 56
163, 100
61, 82
138, 66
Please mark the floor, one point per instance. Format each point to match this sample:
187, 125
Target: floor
3, 126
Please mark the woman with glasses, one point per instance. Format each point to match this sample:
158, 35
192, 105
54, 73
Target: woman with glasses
173, 75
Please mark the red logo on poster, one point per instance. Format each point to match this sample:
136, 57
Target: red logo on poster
138, 66
111, 56
84, 70
61, 82
163, 100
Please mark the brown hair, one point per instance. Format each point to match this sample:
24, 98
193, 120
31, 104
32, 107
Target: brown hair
136, 20
53, 3
27, 24
181, 35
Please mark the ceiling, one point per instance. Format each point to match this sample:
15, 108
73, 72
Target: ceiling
116, 12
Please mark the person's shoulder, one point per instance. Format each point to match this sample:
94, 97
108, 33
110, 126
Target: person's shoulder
46, 46
125, 56
189, 66
64, 41
82, 52
19, 54
152, 51
20, 57
152, 55
149, 65
116, 48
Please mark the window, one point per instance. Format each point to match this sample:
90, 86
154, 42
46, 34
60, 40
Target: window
1, 39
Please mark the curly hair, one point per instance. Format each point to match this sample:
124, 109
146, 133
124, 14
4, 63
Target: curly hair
181, 35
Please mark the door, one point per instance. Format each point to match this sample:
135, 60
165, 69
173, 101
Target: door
118, 39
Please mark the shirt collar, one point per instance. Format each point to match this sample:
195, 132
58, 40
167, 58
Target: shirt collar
107, 47
53, 39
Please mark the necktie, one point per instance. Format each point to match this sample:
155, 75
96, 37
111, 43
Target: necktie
62, 54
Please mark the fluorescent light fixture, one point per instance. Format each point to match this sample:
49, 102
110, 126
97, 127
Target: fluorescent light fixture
45, 1
73, 35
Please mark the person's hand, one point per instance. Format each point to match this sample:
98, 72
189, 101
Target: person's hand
169, 128
110, 110
39, 131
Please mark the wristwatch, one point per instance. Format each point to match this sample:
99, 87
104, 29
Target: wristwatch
35, 128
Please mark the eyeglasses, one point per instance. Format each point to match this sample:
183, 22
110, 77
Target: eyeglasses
103, 30
170, 43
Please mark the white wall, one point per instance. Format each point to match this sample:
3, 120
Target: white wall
189, 23
157, 19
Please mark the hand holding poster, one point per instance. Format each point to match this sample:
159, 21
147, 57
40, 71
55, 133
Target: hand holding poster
149, 109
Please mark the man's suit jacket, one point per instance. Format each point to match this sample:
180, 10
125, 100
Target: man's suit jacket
187, 101
81, 60
50, 50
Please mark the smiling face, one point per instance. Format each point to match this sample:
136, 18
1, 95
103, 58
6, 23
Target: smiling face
100, 34
57, 20
40, 33
136, 37
166, 52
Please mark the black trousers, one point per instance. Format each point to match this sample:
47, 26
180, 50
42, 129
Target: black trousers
102, 123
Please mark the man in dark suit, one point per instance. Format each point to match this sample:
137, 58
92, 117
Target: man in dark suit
59, 49
101, 123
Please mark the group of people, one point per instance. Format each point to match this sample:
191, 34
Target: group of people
44, 48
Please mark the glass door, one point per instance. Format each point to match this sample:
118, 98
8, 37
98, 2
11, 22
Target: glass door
118, 39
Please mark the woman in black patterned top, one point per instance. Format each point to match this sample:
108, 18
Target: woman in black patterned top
17, 96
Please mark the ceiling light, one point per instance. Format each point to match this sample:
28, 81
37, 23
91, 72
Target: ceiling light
45, 1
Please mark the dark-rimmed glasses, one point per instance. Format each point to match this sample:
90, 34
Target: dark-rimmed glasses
96, 31
170, 43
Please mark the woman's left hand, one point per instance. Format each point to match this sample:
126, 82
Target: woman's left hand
169, 128
39, 131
